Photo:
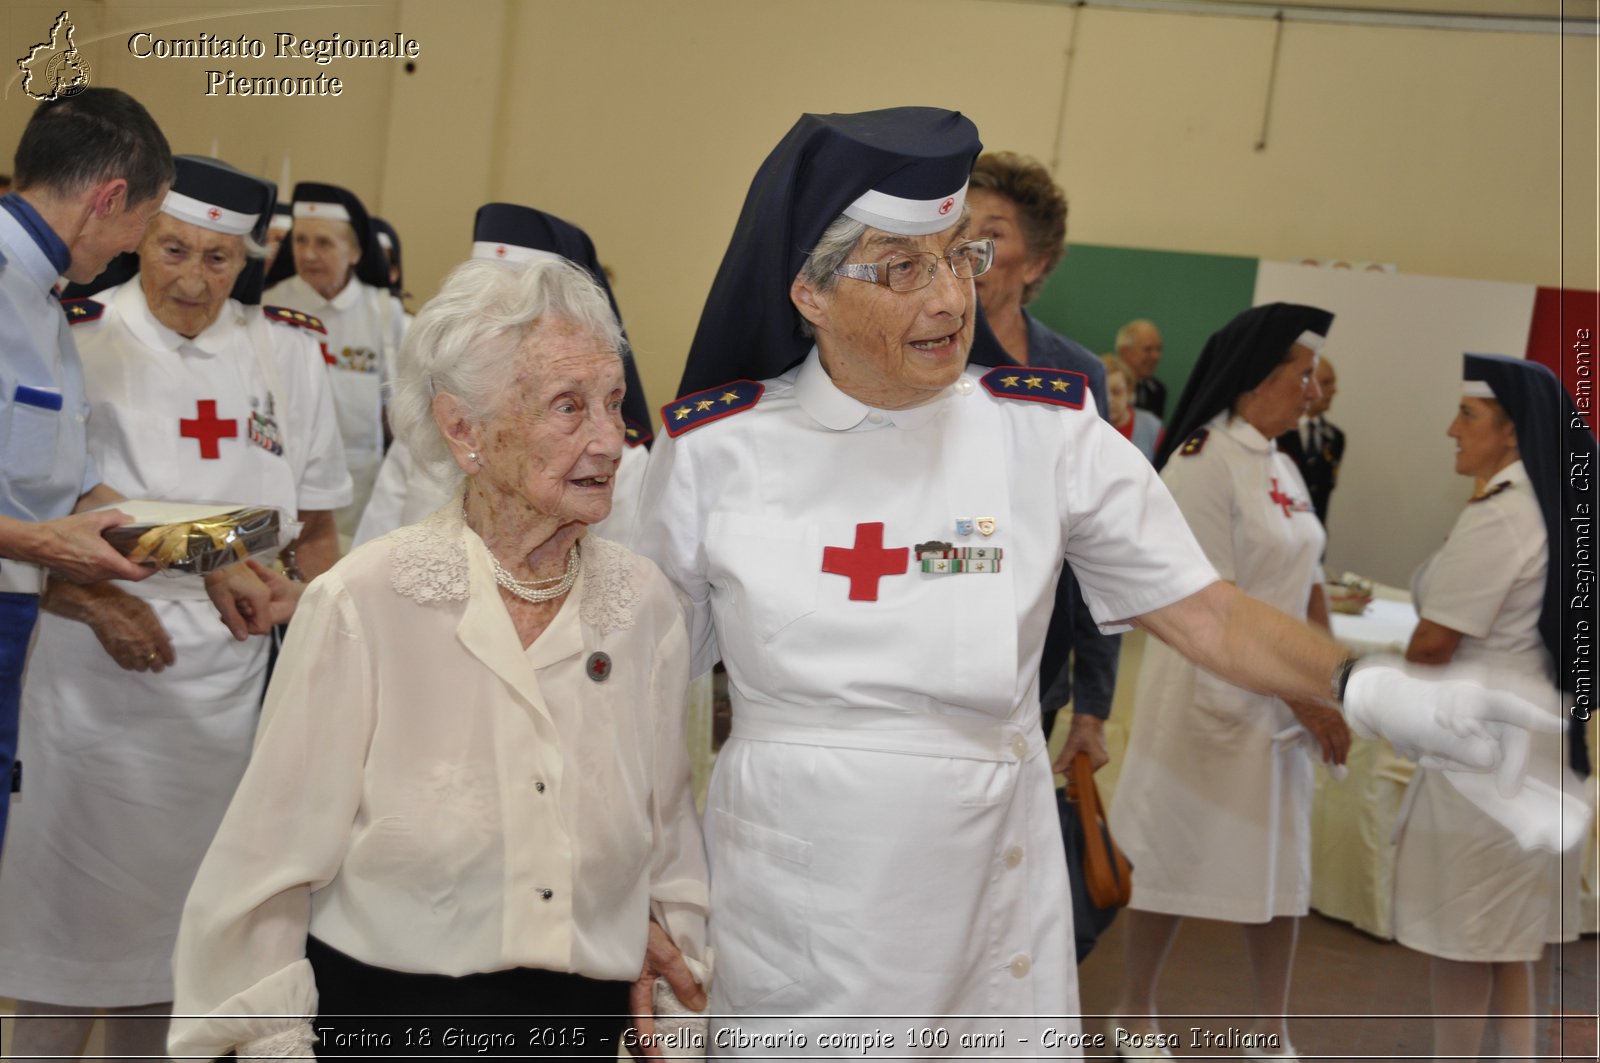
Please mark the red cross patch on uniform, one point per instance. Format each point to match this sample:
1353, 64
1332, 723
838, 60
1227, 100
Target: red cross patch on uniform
283, 315
208, 428
712, 404
79, 311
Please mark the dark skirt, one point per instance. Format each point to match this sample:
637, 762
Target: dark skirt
373, 1011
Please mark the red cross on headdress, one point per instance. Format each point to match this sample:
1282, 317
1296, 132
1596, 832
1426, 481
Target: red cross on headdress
500, 252
213, 213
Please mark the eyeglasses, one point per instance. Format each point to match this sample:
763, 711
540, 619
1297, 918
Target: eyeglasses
910, 271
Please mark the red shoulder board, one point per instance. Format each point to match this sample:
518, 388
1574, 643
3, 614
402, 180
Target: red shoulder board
636, 434
1195, 443
299, 318
1058, 387
80, 310
712, 404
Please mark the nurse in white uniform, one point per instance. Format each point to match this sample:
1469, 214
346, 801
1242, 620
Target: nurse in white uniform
407, 491
141, 708
1466, 893
1214, 804
334, 270
867, 533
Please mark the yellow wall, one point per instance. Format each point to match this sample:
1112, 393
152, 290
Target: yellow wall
1440, 151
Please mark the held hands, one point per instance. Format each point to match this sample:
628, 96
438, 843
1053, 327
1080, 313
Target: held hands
1442, 718
661, 960
251, 598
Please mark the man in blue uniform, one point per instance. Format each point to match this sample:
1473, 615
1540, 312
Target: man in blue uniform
91, 171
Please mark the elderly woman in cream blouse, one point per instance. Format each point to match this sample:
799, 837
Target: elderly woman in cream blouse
469, 793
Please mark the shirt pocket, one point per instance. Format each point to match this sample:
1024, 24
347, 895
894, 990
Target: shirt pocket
769, 568
31, 444
760, 905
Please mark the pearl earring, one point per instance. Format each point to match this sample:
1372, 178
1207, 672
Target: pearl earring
472, 456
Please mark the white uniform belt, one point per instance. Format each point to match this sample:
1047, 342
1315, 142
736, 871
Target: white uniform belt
920, 734
19, 577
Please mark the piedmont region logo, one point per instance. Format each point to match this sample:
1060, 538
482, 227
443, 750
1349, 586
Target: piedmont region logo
55, 69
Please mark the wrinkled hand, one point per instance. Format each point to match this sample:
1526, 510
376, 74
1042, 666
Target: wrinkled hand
1327, 727
130, 632
1088, 735
284, 593
1443, 719
74, 548
250, 598
661, 960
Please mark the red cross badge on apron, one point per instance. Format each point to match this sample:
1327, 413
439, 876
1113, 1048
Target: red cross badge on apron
1278, 497
866, 561
207, 428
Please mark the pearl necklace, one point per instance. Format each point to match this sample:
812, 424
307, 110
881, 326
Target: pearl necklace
538, 590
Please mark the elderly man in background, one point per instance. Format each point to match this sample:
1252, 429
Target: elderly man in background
1139, 347
1317, 444
868, 533
141, 707
90, 171
335, 270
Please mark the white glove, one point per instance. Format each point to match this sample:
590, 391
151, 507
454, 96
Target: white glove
680, 1032
293, 1043
1441, 719
1539, 816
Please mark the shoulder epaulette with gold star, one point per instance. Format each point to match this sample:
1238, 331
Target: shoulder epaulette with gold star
636, 434
283, 315
1195, 443
80, 311
1058, 387
712, 404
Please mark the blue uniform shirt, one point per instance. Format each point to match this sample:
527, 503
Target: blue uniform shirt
44, 463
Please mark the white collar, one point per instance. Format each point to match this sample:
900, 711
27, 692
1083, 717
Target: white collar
833, 409
132, 307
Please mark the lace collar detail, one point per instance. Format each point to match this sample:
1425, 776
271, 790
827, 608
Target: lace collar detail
428, 562
609, 595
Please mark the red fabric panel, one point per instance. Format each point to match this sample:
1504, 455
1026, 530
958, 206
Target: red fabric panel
1564, 336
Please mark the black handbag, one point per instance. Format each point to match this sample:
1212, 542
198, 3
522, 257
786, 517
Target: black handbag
1100, 875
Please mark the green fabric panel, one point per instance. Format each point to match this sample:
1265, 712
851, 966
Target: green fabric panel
1098, 289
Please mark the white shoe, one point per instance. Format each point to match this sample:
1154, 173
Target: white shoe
1114, 1026
1286, 1056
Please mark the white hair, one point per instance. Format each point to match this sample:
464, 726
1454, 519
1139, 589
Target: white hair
464, 340
834, 246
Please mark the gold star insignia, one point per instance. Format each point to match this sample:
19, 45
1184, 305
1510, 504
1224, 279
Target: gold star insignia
1059, 385
680, 413
703, 404
1010, 381
633, 433
730, 397
1034, 382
